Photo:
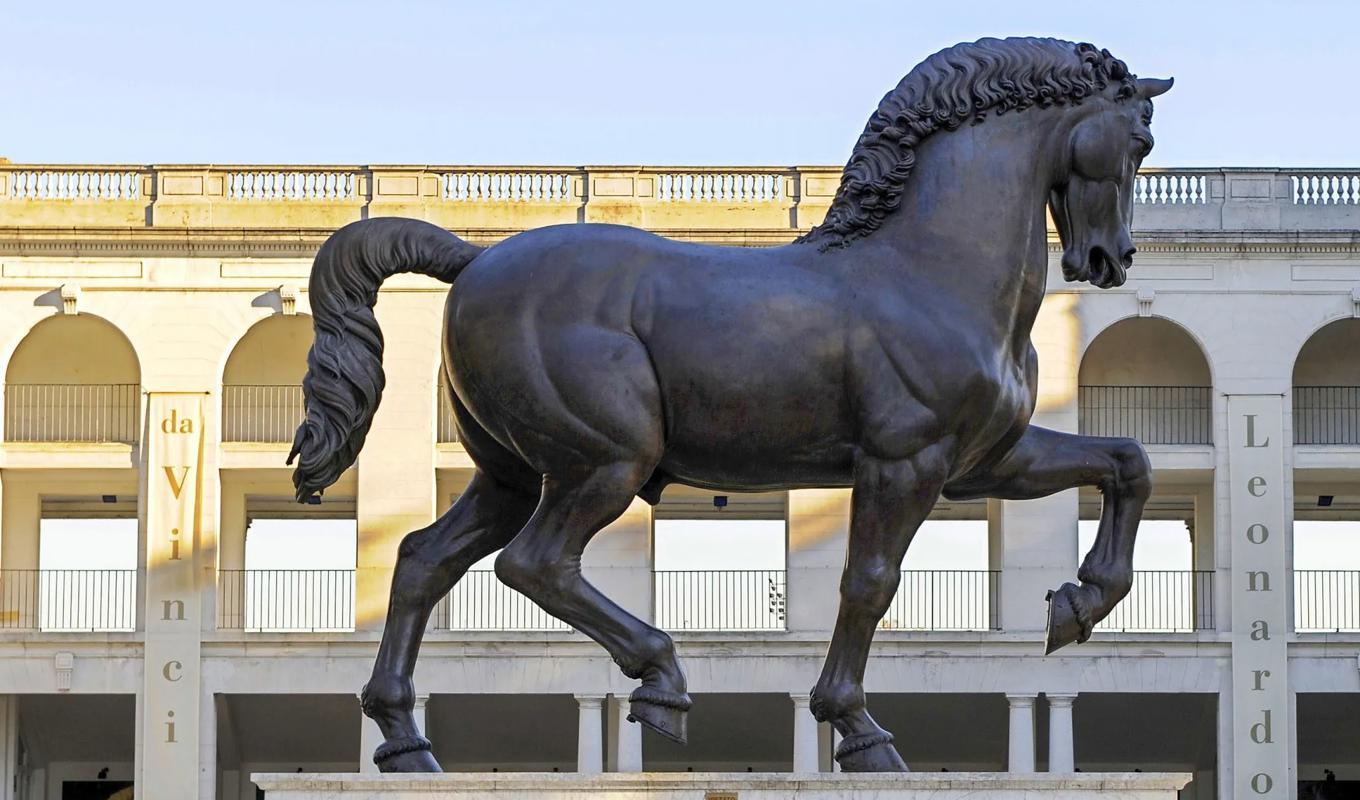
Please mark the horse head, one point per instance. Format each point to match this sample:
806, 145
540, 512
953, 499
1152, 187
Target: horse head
1092, 202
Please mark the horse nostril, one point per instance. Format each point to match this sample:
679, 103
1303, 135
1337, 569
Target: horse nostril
1127, 257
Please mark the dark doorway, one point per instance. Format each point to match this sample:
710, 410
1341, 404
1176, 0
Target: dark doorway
96, 790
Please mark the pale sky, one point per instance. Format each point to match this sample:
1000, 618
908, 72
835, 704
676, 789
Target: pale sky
700, 82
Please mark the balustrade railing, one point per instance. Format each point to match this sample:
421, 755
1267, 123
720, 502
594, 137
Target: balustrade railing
1150, 414
1325, 187
92, 183
944, 600
278, 600
68, 600
721, 187
1327, 415
291, 185
519, 186
480, 602
1326, 600
261, 413
1165, 601
720, 600
1171, 187
59, 412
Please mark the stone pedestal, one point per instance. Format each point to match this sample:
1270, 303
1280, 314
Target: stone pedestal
715, 785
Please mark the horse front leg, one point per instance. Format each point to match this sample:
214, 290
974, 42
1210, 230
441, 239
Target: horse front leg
429, 562
1044, 462
890, 500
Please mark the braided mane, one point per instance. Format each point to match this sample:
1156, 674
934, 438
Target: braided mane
959, 84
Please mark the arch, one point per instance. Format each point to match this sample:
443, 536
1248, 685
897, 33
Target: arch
1326, 385
262, 380
74, 349
1148, 378
73, 378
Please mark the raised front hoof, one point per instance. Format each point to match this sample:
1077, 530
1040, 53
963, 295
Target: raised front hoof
1065, 624
663, 712
408, 754
869, 752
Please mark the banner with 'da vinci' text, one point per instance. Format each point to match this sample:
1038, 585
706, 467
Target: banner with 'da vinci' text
174, 484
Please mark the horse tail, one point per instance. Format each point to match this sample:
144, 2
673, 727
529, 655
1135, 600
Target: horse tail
344, 380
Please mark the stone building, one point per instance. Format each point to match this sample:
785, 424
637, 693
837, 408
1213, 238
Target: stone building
1233, 352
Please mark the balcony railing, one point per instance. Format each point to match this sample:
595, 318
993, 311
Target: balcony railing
261, 413
61, 412
720, 600
1327, 415
480, 602
1150, 414
269, 600
447, 428
1326, 600
61, 600
944, 600
1165, 601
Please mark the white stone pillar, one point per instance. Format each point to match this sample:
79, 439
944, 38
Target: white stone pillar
1224, 764
419, 713
1061, 755
370, 736
590, 734
627, 738
1021, 759
9, 745
804, 735
207, 746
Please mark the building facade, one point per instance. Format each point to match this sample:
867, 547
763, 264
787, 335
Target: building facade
155, 325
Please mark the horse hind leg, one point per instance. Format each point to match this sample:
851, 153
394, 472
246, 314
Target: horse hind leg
544, 563
429, 562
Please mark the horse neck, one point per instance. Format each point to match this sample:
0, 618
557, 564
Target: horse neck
972, 216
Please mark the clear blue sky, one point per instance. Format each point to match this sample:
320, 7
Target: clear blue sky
691, 82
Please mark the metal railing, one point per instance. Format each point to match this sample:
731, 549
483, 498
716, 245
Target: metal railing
480, 602
70, 412
1150, 414
261, 413
447, 429
59, 600
1326, 600
1327, 415
944, 600
720, 600
267, 600
1165, 601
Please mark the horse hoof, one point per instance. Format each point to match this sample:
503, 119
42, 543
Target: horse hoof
1064, 624
869, 752
664, 712
409, 754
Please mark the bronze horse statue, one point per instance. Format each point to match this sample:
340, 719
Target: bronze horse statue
887, 350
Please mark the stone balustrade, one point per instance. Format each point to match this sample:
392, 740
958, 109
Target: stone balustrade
769, 203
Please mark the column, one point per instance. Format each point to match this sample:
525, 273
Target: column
370, 736
590, 734
1021, 758
804, 735
1224, 764
207, 747
627, 738
9, 745
419, 713
1061, 757
1034, 544
818, 526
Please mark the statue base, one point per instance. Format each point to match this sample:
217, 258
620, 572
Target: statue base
724, 786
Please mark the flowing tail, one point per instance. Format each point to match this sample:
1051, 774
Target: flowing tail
344, 381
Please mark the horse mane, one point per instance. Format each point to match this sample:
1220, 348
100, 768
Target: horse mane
959, 84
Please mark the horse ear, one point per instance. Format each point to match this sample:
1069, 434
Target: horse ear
1149, 88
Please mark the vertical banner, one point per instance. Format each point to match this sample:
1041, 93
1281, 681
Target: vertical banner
1260, 592
174, 461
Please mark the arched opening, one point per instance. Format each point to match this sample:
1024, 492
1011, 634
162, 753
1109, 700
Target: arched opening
72, 379
1147, 379
262, 382
1327, 386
